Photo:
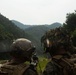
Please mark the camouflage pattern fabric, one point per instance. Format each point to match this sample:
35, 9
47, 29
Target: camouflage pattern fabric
56, 38
21, 69
57, 35
52, 69
60, 66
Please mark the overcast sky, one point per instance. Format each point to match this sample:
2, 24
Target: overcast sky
37, 11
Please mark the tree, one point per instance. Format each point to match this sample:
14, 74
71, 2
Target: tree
70, 22
74, 37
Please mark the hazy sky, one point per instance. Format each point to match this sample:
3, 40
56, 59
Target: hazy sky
37, 11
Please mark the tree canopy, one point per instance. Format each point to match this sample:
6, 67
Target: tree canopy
70, 25
70, 22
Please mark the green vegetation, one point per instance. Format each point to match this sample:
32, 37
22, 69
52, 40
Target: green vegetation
8, 32
70, 25
42, 63
9, 28
70, 22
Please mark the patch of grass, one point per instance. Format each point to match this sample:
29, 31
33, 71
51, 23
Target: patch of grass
42, 63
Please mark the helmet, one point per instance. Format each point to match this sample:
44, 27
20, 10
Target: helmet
56, 40
22, 48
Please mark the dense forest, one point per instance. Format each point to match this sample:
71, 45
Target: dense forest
70, 25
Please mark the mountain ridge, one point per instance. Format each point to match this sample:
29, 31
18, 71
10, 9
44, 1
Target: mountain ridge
24, 26
20, 25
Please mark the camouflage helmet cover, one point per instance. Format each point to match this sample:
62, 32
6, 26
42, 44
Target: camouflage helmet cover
23, 46
55, 38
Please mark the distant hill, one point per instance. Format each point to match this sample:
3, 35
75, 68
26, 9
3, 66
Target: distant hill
23, 26
20, 25
54, 25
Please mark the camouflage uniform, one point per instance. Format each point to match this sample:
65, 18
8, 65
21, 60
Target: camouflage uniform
21, 51
60, 66
59, 44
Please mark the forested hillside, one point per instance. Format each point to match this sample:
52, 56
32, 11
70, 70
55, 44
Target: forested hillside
21, 25
54, 25
8, 32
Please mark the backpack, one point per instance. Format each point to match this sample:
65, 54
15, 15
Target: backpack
13, 69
